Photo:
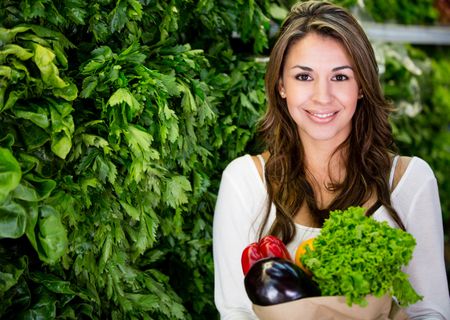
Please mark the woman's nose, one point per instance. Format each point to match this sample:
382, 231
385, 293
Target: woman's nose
322, 92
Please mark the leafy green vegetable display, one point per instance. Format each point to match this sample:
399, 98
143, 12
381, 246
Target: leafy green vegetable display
116, 120
355, 256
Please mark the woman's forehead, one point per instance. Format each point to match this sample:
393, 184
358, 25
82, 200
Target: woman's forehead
317, 50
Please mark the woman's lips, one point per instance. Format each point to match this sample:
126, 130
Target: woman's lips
322, 117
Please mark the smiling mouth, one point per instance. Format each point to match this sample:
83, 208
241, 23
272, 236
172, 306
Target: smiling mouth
323, 115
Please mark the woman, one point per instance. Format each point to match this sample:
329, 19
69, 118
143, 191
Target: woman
329, 146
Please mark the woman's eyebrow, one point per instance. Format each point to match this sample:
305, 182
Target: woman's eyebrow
342, 67
305, 68
302, 67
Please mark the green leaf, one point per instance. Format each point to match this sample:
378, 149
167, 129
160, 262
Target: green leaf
3, 87
169, 22
21, 67
106, 251
7, 35
99, 27
132, 211
140, 143
33, 136
8, 140
52, 283
278, 12
137, 7
10, 273
188, 101
44, 308
118, 17
132, 54
60, 55
96, 141
14, 49
44, 57
62, 128
51, 235
12, 99
6, 72
124, 95
77, 11
89, 85
68, 93
34, 188
247, 104
146, 236
145, 302
13, 220
106, 169
32, 218
176, 191
61, 144
10, 173
38, 118
52, 35
18, 297
100, 56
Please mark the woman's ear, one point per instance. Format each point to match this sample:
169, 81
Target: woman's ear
281, 90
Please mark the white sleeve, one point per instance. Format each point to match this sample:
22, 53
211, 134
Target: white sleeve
232, 232
427, 267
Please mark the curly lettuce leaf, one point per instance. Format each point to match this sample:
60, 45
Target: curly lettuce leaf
356, 256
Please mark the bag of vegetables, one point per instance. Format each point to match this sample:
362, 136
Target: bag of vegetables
354, 264
335, 308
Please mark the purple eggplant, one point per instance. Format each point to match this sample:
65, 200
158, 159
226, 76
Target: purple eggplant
275, 280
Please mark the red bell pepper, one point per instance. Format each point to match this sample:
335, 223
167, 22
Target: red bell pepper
267, 247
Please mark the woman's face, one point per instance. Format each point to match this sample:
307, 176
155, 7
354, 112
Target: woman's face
320, 89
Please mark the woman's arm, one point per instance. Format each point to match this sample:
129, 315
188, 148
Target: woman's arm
423, 219
233, 230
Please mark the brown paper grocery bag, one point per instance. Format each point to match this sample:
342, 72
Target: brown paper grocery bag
332, 308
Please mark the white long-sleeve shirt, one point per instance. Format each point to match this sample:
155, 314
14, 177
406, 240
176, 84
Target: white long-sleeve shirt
241, 205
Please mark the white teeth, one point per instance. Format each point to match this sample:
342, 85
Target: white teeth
323, 115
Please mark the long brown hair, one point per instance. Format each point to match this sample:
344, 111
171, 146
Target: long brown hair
369, 146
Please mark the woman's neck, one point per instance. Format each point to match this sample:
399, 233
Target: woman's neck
322, 160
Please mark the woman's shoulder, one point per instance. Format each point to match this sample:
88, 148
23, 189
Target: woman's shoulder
239, 165
411, 170
418, 167
244, 172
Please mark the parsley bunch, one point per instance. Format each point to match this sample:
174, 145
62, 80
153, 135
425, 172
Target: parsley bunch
356, 256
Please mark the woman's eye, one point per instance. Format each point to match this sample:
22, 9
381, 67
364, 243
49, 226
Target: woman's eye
303, 77
340, 77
